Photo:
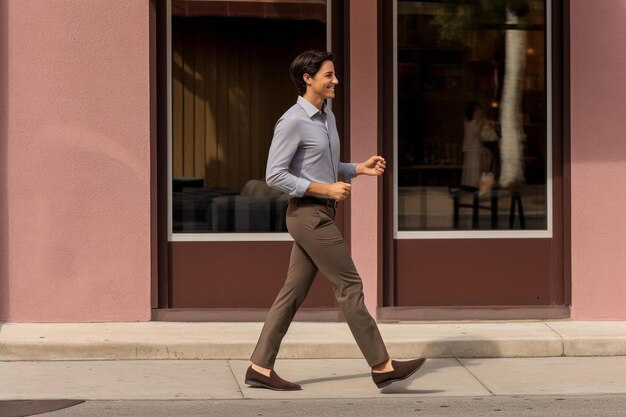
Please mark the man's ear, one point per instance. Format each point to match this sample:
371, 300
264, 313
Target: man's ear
306, 77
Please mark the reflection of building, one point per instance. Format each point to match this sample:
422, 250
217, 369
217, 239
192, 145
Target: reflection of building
84, 131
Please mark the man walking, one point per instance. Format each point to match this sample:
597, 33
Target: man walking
304, 162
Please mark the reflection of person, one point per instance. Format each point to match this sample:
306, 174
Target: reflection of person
304, 161
477, 157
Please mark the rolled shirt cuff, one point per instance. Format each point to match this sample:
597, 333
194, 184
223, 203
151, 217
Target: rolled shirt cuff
301, 186
347, 170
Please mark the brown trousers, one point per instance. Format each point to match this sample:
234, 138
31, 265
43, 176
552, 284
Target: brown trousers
318, 245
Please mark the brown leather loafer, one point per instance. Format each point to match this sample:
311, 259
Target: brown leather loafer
401, 370
257, 379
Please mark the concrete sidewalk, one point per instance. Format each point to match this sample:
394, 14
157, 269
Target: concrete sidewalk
175, 340
320, 379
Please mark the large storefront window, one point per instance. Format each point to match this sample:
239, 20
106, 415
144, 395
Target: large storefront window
472, 128
230, 84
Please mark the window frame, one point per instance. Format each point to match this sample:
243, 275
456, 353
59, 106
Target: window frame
220, 236
547, 233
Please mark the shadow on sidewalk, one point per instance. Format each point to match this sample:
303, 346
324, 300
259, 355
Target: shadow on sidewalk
445, 349
19, 408
464, 345
333, 378
400, 387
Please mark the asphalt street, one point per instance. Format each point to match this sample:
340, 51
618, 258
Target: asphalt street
513, 406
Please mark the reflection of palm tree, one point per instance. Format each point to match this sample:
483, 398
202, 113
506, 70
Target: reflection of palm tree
460, 19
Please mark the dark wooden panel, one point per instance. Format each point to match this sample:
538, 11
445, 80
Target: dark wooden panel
394, 314
232, 81
561, 151
231, 84
257, 138
221, 109
266, 9
199, 95
189, 87
244, 98
211, 149
242, 314
472, 272
235, 274
159, 212
177, 105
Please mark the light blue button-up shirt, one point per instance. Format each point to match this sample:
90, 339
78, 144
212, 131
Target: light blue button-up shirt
305, 149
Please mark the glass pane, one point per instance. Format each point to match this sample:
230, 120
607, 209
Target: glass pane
472, 143
230, 84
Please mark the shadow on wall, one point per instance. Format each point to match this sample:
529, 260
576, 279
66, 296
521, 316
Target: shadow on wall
4, 136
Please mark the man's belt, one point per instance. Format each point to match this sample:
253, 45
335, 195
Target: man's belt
328, 202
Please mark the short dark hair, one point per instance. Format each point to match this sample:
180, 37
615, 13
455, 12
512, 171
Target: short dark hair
308, 62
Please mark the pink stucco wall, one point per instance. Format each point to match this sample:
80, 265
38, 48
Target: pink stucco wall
363, 144
598, 114
75, 160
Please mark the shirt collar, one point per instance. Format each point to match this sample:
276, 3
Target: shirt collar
309, 108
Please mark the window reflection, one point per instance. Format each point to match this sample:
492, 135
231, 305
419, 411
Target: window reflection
472, 142
227, 94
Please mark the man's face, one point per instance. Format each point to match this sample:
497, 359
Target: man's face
324, 82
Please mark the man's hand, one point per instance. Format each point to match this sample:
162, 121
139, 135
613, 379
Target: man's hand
339, 190
374, 166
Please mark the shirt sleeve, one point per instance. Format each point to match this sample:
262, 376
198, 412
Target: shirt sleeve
282, 150
347, 170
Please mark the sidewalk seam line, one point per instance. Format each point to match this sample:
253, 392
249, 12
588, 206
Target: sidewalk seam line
236, 380
475, 377
560, 337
